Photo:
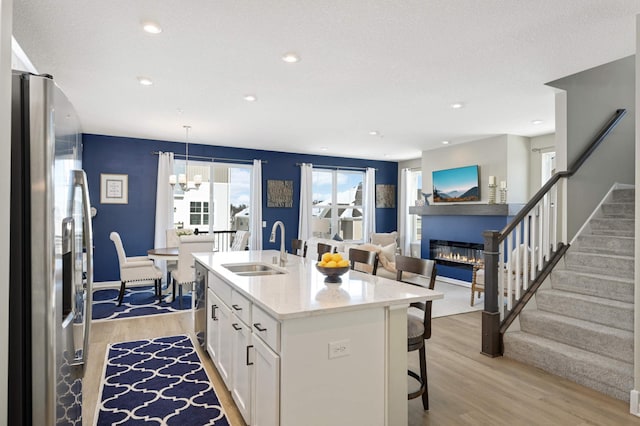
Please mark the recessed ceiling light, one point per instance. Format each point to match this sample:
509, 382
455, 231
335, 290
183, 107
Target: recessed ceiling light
324, 148
457, 105
445, 142
374, 133
536, 122
145, 81
291, 57
250, 98
151, 27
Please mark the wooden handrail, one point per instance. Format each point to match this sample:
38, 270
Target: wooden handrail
606, 129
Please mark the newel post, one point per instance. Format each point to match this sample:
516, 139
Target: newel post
490, 315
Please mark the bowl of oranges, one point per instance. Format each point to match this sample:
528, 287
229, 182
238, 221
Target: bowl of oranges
332, 265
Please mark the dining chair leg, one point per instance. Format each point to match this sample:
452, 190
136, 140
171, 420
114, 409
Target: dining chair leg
180, 295
423, 373
159, 289
121, 294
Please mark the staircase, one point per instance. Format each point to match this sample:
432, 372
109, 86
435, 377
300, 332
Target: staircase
582, 328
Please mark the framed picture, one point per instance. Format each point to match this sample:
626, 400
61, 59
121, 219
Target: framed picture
114, 189
279, 193
385, 196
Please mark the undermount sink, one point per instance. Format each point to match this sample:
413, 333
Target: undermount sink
253, 269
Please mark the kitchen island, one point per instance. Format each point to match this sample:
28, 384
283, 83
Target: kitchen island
293, 350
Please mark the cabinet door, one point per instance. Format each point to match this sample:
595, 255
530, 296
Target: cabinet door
266, 385
242, 368
213, 325
225, 342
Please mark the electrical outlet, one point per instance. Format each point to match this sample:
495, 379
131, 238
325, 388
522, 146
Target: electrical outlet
339, 348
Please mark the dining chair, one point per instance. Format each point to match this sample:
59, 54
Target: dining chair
184, 274
299, 247
422, 273
322, 249
136, 268
367, 260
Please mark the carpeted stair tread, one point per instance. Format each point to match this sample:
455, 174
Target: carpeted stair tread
612, 226
591, 284
596, 309
604, 374
606, 264
604, 244
623, 195
597, 338
618, 210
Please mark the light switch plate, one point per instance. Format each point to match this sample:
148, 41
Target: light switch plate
339, 348
264, 223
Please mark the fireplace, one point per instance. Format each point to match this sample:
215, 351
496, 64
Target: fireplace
455, 253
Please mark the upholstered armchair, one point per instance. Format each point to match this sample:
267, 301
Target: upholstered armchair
137, 268
477, 278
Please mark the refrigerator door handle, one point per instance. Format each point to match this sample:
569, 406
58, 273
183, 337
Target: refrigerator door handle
80, 180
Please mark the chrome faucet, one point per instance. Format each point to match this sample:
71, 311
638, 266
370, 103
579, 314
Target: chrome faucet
272, 239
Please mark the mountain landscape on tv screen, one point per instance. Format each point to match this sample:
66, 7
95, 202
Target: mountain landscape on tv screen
471, 194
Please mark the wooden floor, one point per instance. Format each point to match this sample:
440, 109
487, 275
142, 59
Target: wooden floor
465, 387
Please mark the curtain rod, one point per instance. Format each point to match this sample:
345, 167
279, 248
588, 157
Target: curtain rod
324, 166
202, 157
541, 148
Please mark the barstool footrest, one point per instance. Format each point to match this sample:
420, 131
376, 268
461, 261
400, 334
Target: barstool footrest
420, 391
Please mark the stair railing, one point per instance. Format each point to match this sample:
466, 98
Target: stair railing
519, 258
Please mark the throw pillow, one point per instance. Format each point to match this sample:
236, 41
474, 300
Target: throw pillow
389, 251
337, 237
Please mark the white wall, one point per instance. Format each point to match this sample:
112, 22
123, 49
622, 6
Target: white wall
6, 10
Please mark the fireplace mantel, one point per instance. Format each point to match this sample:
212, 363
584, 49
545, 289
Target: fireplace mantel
467, 210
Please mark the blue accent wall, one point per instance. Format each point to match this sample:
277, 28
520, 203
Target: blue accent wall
135, 221
461, 228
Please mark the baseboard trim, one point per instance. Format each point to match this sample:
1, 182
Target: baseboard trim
634, 403
454, 281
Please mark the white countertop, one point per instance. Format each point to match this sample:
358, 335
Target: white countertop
301, 291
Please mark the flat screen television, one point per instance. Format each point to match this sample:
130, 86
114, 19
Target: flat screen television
456, 185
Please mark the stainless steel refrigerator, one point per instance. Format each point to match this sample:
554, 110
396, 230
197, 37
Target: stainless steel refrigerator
51, 270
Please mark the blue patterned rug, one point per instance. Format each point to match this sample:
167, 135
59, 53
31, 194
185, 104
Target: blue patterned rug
137, 301
157, 382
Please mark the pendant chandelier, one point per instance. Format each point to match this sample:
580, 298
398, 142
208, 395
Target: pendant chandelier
182, 178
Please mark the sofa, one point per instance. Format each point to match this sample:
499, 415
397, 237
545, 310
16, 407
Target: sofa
386, 252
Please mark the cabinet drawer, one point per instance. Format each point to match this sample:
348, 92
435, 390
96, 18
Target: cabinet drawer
219, 287
241, 306
266, 327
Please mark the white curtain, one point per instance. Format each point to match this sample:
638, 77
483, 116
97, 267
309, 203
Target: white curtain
369, 203
305, 229
407, 191
255, 207
164, 204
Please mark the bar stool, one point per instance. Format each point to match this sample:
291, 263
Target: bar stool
418, 330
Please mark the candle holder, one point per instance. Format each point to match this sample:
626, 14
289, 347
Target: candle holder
503, 195
492, 193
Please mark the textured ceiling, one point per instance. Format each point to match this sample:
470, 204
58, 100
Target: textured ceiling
393, 66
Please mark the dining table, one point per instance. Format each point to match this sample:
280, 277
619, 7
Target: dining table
169, 254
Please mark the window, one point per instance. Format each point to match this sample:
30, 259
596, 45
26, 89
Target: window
222, 201
416, 219
199, 213
337, 204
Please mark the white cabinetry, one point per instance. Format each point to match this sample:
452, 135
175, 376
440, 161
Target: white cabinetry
249, 368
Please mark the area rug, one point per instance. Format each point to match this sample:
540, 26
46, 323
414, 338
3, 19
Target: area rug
159, 381
457, 300
137, 301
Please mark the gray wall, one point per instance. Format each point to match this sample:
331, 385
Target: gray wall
592, 98
503, 156
544, 143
